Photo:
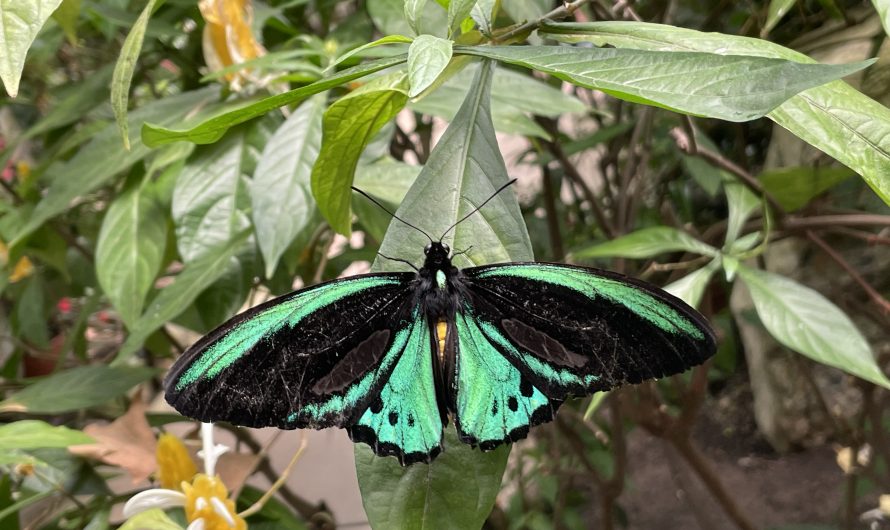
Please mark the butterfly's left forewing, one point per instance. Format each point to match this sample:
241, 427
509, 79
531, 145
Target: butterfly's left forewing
313, 358
534, 334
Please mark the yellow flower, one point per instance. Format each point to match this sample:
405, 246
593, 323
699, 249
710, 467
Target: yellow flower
23, 268
203, 495
228, 38
208, 501
175, 466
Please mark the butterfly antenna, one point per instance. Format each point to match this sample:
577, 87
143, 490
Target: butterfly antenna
394, 216
476, 209
400, 260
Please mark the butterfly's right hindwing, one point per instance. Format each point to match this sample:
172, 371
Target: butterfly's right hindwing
315, 357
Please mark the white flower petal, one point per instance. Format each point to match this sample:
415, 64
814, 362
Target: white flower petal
200, 504
153, 498
197, 524
210, 452
220, 508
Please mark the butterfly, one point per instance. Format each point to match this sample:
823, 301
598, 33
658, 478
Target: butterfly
391, 357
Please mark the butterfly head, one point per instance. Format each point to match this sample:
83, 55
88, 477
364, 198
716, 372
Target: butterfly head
437, 255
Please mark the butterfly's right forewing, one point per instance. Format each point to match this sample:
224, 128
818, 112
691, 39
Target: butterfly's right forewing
315, 357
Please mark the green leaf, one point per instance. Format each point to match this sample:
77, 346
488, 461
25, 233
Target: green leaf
97, 162
742, 203
123, 71
67, 16
463, 170
458, 10
349, 124
130, 250
525, 10
36, 434
20, 20
213, 129
691, 287
457, 490
794, 187
777, 11
154, 519
176, 297
647, 243
835, 118
414, 13
78, 388
729, 87
427, 58
805, 321
389, 39
30, 313
210, 198
484, 14
883, 9
281, 191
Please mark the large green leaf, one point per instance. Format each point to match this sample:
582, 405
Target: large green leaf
836, 118
457, 490
729, 87
130, 249
349, 124
427, 58
794, 187
213, 129
20, 20
101, 159
176, 297
647, 243
281, 191
392, 17
387, 181
458, 10
123, 71
77, 388
36, 434
210, 196
463, 170
805, 321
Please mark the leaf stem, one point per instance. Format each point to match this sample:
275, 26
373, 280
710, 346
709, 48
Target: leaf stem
560, 12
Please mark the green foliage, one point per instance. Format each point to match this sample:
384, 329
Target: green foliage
240, 182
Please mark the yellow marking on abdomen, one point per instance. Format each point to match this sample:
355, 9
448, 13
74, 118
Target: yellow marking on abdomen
441, 331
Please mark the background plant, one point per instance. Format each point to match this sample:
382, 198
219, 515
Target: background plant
162, 167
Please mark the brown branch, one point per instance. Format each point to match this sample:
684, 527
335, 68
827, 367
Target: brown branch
552, 216
872, 293
562, 11
682, 139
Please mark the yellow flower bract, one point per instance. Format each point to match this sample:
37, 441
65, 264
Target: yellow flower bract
228, 38
175, 466
207, 499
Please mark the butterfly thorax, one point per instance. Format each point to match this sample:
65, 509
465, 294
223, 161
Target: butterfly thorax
438, 283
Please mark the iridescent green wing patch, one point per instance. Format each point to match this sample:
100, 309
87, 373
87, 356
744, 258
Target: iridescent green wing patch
494, 402
574, 330
300, 360
404, 418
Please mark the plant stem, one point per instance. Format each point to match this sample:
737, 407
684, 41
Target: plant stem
560, 12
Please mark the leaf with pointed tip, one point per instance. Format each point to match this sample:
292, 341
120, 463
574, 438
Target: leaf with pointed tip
211, 130
349, 124
835, 118
729, 87
805, 321
123, 71
130, 250
647, 243
20, 21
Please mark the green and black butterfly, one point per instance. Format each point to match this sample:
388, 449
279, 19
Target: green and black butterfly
391, 356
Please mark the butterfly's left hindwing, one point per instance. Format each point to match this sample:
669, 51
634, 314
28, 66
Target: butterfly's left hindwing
315, 357
531, 335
